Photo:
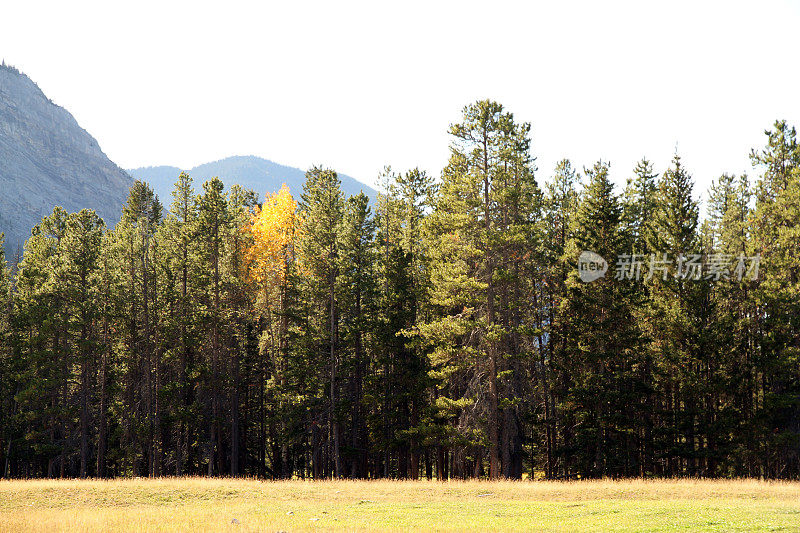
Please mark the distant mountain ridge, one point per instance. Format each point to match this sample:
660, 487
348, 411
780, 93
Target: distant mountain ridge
252, 172
47, 159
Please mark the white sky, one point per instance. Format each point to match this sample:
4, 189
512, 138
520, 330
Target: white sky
365, 85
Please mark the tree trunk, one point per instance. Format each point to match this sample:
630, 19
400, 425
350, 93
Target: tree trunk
494, 444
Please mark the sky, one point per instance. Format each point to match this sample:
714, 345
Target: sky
356, 86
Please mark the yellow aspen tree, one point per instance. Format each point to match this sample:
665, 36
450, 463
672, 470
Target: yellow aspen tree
273, 228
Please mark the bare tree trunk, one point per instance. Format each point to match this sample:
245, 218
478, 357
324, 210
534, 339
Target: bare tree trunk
84, 383
84, 419
494, 426
103, 429
235, 416
334, 420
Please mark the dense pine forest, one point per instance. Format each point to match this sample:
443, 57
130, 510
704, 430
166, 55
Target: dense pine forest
439, 330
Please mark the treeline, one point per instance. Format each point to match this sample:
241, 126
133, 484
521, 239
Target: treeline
441, 331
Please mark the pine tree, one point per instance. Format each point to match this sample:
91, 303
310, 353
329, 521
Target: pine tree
42, 319
599, 338
134, 241
321, 210
7, 381
401, 421
728, 408
179, 238
677, 306
358, 297
639, 204
57, 312
389, 406
639, 207
212, 217
487, 191
776, 292
81, 243
240, 336
548, 273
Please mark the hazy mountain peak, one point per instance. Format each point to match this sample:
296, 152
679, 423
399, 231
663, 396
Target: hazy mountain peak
252, 172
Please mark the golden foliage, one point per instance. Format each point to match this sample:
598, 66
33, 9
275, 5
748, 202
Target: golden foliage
274, 230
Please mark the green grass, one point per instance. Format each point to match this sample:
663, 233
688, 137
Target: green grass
198, 504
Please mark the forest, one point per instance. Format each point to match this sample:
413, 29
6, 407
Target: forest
440, 330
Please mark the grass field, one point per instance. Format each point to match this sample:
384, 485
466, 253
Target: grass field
198, 504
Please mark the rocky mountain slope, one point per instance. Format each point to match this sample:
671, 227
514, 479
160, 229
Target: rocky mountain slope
258, 174
47, 159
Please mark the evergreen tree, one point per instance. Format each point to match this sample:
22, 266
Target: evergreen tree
134, 242
358, 299
210, 231
639, 204
775, 235
81, 243
600, 339
42, 321
487, 190
178, 239
678, 341
548, 273
7, 381
321, 210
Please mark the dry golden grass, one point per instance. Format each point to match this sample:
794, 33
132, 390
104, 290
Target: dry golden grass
200, 504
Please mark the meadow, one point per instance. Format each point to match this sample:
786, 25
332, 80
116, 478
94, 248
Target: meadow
200, 504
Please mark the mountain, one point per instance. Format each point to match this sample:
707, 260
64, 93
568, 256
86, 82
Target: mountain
256, 173
47, 159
